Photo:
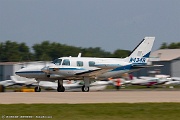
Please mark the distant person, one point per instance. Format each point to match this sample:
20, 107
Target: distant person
130, 76
118, 83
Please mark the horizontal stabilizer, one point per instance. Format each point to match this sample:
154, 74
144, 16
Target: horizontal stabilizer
146, 66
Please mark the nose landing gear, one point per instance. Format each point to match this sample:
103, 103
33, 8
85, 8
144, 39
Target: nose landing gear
37, 88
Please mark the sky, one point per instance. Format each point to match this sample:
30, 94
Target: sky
108, 24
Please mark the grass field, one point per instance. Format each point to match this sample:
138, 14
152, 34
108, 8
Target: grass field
117, 111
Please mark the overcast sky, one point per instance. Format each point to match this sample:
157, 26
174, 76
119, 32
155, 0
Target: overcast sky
109, 24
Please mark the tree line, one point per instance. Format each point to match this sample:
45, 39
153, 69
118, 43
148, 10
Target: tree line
170, 46
47, 51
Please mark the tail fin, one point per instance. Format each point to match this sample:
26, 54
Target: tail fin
140, 55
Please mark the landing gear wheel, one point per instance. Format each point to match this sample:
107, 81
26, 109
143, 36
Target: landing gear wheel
2, 88
60, 89
85, 89
37, 89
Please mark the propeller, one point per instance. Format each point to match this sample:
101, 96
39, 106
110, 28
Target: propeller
46, 68
49, 68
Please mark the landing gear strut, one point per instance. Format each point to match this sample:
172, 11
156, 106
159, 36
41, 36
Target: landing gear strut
37, 88
85, 87
60, 87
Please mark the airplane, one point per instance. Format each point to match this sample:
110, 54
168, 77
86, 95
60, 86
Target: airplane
6, 83
16, 80
149, 81
89, 68
173, 82
176, 78
75, 85
22, 81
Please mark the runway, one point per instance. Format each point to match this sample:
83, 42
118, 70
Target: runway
90, 97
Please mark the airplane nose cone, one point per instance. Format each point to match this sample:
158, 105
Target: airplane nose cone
22, 72
19, 72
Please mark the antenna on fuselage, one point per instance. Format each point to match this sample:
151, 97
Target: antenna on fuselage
79, 55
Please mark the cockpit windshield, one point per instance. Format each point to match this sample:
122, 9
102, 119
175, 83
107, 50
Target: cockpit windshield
57, 61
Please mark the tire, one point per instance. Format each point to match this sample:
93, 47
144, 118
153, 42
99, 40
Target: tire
2, 88
85, 89
60, 89
37, 89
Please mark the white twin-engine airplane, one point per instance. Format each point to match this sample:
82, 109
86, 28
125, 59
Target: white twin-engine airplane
87, 68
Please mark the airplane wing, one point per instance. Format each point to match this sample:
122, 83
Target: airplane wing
93, 72
103, 68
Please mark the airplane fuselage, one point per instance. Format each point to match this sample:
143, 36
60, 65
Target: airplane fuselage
76, 68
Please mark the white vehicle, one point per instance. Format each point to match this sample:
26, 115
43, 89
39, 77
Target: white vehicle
87, 68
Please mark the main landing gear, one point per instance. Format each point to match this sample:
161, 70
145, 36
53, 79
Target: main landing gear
85, 87
2, 88
60, 87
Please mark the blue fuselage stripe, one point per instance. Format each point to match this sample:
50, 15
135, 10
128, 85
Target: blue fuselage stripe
68, 68
127, 67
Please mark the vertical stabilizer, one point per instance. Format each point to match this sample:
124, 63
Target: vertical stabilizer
140, 54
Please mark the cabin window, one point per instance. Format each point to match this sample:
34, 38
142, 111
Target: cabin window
79, 63
91, 63
66, 62
57, 61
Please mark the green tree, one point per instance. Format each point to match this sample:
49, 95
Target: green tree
164, 45
174, 45
170, 46
121, 53
41, 51
95, 52
50, 51
12, 51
